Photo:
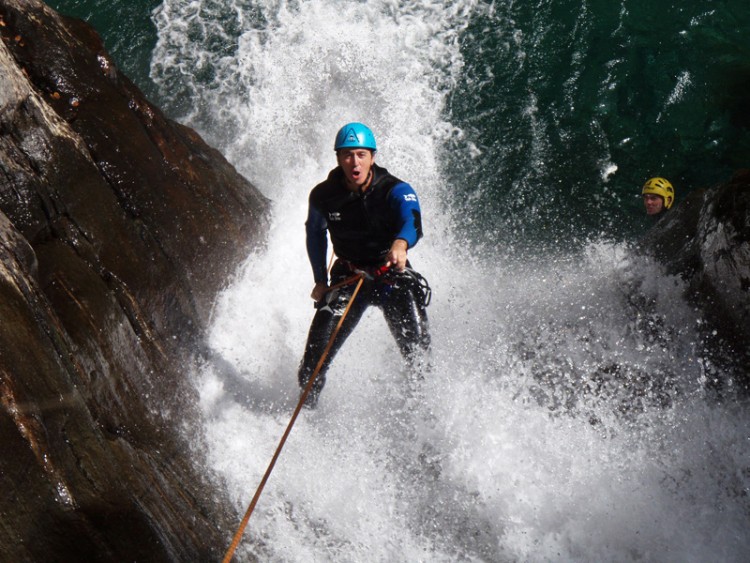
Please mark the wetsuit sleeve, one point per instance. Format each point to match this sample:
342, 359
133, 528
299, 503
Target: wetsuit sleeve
317, 243
403, 200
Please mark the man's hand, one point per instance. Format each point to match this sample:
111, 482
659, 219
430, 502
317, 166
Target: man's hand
397, 255
319, 291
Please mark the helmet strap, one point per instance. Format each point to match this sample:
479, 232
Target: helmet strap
366, 185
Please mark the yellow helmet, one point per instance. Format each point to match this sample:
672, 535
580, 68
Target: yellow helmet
660, 187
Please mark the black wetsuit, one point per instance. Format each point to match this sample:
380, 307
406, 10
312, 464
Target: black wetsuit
362, 228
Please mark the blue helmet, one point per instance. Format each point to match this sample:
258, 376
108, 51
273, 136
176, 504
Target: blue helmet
355, 136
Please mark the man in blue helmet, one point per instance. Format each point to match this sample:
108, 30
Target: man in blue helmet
373, 219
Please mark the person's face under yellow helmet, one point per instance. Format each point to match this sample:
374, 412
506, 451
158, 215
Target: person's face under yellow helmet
659, 187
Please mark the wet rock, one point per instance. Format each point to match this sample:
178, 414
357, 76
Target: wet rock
706, 240
117, 229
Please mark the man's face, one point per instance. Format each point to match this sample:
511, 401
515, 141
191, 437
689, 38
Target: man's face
653, 203
356, 164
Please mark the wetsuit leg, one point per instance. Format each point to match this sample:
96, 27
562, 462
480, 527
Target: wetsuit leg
323, 324
405, 313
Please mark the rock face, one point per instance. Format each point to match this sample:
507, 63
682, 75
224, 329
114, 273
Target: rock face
117, 229
706, 239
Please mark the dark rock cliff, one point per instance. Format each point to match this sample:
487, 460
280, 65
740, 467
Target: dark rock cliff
117, 229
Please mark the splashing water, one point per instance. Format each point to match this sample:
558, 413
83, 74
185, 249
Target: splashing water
566, 416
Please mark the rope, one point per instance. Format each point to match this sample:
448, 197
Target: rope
347, 281
303, 397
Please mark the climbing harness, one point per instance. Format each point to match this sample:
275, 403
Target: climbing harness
388, 275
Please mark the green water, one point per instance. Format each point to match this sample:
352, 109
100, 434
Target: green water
605, 80
127, 30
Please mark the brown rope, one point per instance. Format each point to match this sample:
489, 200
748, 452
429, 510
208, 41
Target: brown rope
303, 397
347, 281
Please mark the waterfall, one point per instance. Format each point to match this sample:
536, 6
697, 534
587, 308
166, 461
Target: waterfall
568, 414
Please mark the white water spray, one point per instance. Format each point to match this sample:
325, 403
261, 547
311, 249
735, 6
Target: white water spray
540, 445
